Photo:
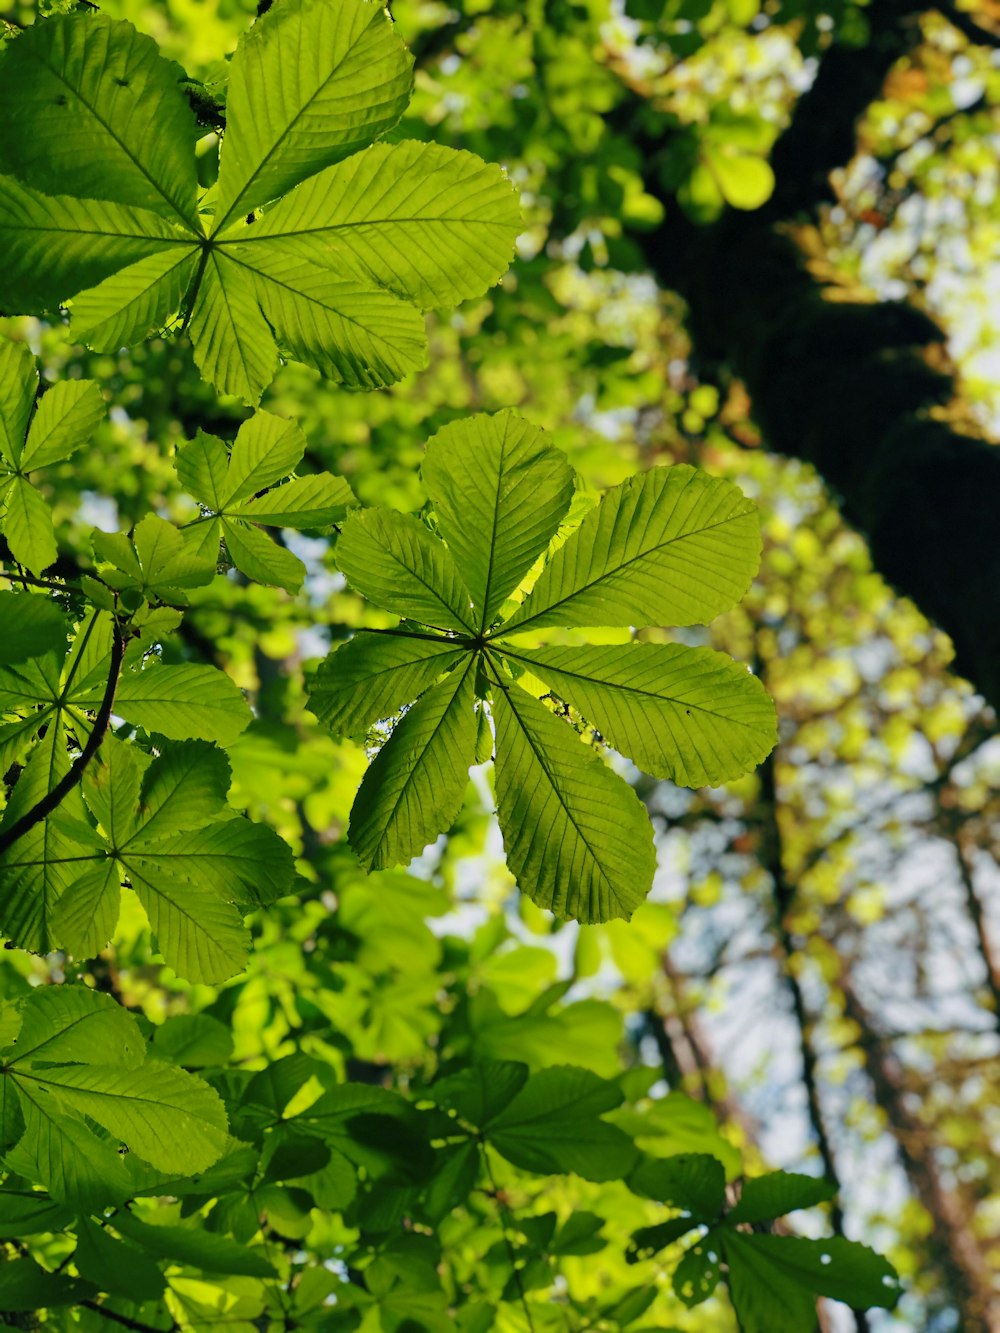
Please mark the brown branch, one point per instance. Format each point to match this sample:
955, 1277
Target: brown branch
51, 800
977, 915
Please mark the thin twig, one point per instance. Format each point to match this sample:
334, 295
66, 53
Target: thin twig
51, 800
507, 1227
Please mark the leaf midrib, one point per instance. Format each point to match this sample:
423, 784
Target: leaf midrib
628, 689
508, 694
511, 625
124, 148
288, 129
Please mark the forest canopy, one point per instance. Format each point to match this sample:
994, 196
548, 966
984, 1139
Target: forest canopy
499, 668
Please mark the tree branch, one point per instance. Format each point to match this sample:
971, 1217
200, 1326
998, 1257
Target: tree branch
69, 780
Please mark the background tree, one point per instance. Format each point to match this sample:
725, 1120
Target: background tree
745, 229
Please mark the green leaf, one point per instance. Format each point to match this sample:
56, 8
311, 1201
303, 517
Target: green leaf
18, 386
698, 1273
648, 1241
553, 1124
499, 490
576, 836
26, 1286
194, 1041
266, 448
136, 301
32, 626
305, 502
234, 347
354, 87
29, 1213
433, 225
413, 789
260, 558
195, 1247
372, 675
57, 245
27, 525
115, 1268
695, 1182
394, 561
689, 714
253, 285
353, 332
777, 1193
84, 917
67, 416
167, 1117
673, 546
774, 1280
41, 864
79, 1169
191, 861
482, 1090
157, 562
76, 1025
107, 117
184, 703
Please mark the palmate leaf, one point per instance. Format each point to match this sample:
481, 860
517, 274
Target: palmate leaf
546, 1122
774, 1280
79, 1058
335, 274
235, 490
63, 421
194, 864
673, 543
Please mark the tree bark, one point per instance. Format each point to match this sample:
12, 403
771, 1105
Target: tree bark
856, 389
956, 1251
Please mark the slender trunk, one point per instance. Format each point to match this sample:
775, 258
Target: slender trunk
956, 1252
977, 915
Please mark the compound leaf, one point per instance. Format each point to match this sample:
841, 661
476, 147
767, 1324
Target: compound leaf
553, 1124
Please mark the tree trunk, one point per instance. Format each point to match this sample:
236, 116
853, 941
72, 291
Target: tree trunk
854, 389
956, 1252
